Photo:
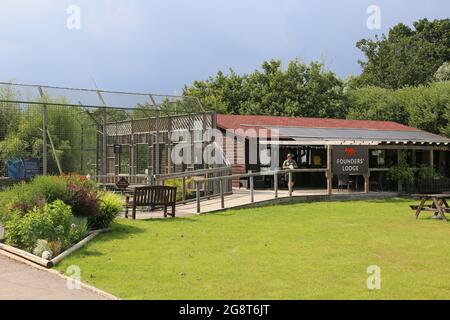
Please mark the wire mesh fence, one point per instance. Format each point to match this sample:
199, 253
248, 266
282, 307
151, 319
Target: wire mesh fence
103, 133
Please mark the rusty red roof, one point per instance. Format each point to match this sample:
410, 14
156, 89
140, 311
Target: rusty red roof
246, 122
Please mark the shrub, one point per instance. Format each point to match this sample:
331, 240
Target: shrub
427, 171
83, 200
26, 196
110, 206
179, 184
79, 230
51, 223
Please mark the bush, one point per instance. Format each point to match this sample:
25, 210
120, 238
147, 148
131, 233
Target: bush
83, 200
110, 206
51, 223
179, 184
42, 190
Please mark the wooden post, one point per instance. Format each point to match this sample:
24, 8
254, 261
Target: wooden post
222, 195
432, 158
367, 183
330, 170
400, 185
290, 183
197, 190
275, 183
184, 189
252, 189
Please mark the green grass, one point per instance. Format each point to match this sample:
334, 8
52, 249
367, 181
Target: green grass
303, 251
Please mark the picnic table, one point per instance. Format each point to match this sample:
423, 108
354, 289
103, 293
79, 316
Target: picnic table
439, 205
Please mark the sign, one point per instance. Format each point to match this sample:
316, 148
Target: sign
122, 184
32, 167
350, 160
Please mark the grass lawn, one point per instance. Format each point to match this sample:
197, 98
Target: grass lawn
303, 251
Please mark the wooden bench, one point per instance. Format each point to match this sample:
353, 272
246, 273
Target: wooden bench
152, 197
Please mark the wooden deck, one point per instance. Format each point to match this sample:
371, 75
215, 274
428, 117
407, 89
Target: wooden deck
241, 199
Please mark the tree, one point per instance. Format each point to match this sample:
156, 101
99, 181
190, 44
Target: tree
425, 107
299, 90
406, 56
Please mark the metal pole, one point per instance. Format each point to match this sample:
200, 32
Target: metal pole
44, 135
275, 184
197, 190
104, 162
157, 159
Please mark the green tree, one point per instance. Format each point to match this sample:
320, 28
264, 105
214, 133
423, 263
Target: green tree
299, 90
406, 56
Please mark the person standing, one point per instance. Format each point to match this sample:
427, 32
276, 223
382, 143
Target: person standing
290, 164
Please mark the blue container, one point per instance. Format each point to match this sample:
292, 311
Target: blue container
16, 169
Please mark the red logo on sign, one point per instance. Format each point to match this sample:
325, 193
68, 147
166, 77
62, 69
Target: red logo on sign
350, 152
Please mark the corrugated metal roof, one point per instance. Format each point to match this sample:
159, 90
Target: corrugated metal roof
237, 121
359, 134
315, 129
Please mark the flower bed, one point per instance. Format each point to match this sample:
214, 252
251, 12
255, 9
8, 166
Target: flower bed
50, 215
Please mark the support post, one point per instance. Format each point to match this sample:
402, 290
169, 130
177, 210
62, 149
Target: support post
252, 188
183, 190
157, 154
432, 158
197, 195
290, 183
367, 182
400, 185
104, 161
44, 134
275, 184
330, 170
222, 194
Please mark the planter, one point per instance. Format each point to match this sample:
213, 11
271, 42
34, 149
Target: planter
51, 263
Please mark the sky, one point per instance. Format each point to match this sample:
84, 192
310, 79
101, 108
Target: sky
159, 46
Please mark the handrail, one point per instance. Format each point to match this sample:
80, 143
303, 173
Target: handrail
259, 174
191, 173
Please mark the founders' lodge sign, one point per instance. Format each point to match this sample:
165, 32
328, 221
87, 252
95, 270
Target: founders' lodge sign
350, 160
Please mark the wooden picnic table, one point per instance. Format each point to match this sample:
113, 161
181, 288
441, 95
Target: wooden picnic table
439, 205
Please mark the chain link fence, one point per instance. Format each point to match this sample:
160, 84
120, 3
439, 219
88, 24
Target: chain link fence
57, 130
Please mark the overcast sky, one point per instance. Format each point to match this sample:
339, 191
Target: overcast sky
158, 46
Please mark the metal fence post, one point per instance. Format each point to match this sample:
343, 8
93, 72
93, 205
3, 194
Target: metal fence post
44, 134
